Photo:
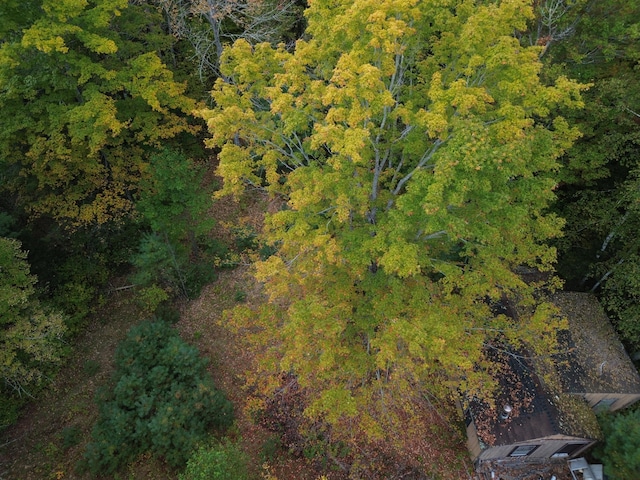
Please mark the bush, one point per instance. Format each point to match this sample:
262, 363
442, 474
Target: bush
620, 452
162, 402
223, 461
70, 437
150, 298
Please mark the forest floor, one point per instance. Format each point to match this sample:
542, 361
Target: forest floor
51, 435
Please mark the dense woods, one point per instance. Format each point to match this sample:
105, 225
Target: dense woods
384, 175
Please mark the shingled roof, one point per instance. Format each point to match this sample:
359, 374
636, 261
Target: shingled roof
537, 412
592, 360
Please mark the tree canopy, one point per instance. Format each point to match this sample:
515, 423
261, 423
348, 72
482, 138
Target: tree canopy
620, 452
29, 334
415, 146
84, 97
599, 176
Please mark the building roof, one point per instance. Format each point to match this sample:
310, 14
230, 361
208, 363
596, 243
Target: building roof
592, 360
536, 412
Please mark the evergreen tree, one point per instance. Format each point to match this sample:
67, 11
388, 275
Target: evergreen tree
161, 401
174, 203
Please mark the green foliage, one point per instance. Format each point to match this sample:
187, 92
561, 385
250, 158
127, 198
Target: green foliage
151, 297
599, 191
84, 99
30, 335
200, 273
240, 296
70, 436
174, 204
167, 313
173, 200
245, 238
415, 145
158, 263
220, 461
76, 266
270, 448
162, 401
77, 300
90, 367
9, 408
7, 223
167, 265
620, 452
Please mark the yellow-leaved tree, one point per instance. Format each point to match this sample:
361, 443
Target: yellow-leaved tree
30, 334
415, 146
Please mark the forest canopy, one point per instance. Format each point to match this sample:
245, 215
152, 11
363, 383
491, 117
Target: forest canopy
410, 178
85, 100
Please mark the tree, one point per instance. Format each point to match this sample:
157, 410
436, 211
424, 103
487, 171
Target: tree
554, 21
161, 401
173, 200
414, 145
174, 203
84, 100
599, 176
30, 336
210, 24
620, 452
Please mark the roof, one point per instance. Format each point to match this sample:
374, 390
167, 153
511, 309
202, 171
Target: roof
593, 360
536, 413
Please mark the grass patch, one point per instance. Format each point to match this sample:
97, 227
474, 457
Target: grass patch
90, 367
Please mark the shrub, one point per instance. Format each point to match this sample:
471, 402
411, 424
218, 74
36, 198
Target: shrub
162, 401
90, 367
620, 452
222, 461
151, 297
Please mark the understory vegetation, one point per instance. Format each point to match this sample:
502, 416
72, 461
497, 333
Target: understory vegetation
160, 400
245, 239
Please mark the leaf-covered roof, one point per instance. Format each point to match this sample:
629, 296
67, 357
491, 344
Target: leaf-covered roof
593, 358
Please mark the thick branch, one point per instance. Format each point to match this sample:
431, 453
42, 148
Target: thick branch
428, 155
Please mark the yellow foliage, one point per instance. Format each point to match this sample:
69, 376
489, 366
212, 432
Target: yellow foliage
411, 142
